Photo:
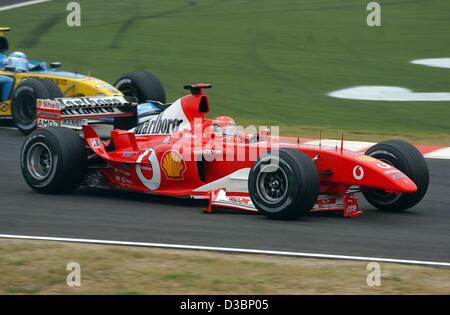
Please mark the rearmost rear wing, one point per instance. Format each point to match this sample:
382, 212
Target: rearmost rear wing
77, 111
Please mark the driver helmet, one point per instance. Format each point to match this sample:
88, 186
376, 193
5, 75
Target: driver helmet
225, 125
18, 60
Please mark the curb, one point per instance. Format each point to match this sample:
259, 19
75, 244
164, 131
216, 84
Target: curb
428, 151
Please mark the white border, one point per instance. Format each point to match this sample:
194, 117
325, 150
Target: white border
227, 249
22, 4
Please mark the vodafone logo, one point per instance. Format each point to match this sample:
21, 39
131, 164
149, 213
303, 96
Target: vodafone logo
358, 172
150, 175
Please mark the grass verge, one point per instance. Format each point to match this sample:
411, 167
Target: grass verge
39, 267
270, 62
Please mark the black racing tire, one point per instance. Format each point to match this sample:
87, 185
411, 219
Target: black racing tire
283, 184
406, 158
53, 160
52, 87
24, 101
145, 86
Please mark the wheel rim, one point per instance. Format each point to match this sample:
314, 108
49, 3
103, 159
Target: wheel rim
127, 89
26, 109
383, 197
272, 185
39, 161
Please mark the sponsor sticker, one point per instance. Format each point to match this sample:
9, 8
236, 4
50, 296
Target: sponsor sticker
74, 123
48, 104
4, 107
366, 158
59, 81
326, 202
159, 125
95, 142
93, 101
208, 151
48, 114
383, 165
242, 201
358, 172
173, 165
149, 174
42, 123
220, 198
399, 175
91, 111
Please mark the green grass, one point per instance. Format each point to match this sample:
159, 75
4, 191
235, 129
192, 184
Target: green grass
133, 270
272, 62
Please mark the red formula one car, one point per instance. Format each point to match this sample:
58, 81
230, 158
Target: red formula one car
178, 152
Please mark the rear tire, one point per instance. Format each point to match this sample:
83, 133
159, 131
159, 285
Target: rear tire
143, 85
24, 101
284, 184
53, 160
406, 158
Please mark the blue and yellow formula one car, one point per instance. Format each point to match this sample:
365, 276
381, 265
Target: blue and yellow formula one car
23, 81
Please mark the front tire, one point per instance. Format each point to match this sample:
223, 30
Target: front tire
24, 101
406, 158
53, 160
284, 184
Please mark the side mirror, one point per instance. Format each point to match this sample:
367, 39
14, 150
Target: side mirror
55, 65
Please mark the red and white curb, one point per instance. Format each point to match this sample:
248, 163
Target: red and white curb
428, 151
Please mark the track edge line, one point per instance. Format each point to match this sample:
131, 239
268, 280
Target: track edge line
226, 249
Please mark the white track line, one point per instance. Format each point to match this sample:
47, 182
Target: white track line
226, 249
22, 4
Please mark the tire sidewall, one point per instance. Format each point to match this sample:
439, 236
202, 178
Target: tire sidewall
257, 199
21, 89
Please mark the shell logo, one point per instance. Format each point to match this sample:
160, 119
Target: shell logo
173, 165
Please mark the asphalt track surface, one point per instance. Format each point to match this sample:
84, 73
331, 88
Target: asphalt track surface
422, 233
